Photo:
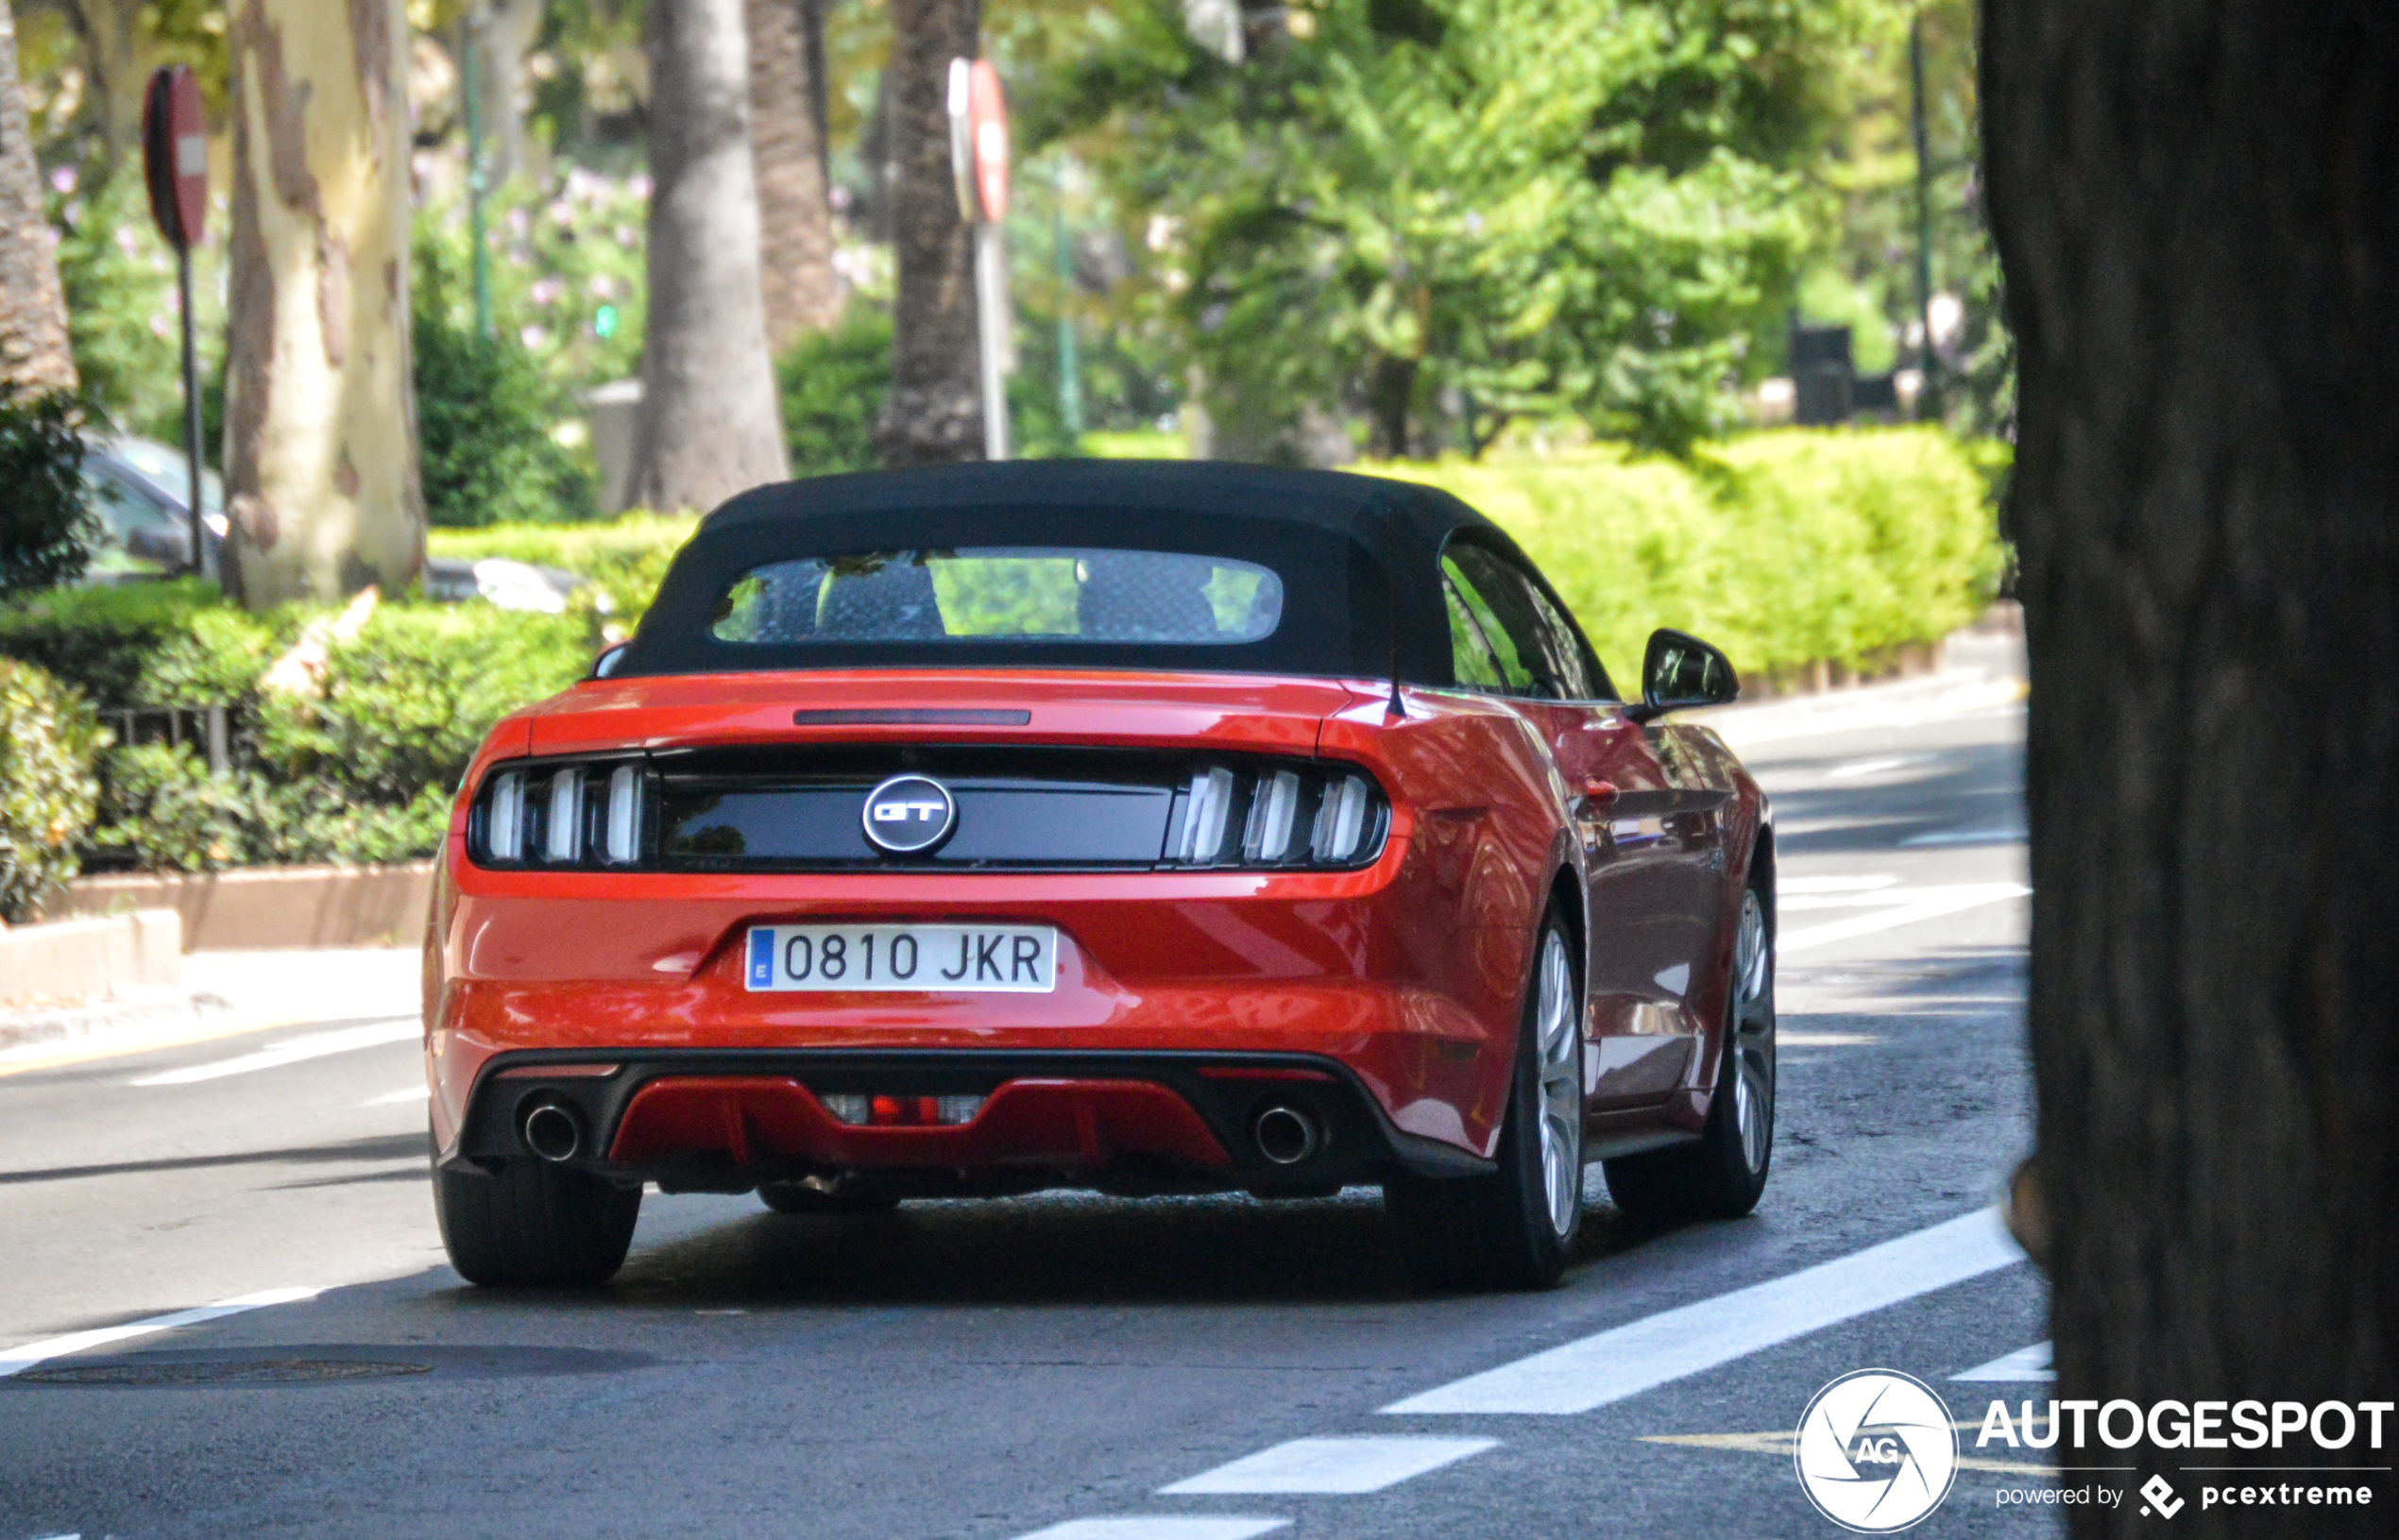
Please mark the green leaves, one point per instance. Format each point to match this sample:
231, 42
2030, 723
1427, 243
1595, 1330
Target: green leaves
49, 738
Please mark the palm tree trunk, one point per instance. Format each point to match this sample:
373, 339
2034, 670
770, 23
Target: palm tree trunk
320, 430
709, 425
934, 412
795, 220
34, 355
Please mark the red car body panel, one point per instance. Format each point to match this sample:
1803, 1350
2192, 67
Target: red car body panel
1408, 974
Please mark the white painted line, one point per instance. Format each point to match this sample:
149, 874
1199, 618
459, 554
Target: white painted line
2025, 1363
1874, 766
293, 1051
1864, 883
1981, 833
1332, 1465
399, 1098
1224, 1526
1656, 1349
17, 1360
1951, 900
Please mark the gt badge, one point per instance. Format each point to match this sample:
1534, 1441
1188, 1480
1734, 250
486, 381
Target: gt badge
909, 815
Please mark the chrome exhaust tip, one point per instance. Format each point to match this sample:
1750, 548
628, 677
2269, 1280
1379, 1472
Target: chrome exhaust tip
1287, 1135
552, 1131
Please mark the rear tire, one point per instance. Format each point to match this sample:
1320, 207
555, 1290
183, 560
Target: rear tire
1514, 1228
1723, 1175
533, 1225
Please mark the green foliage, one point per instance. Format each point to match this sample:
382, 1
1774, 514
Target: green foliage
1784, 548
485, 413
1487, 207
625, 557
47, 523
358, 768
104, 640
833, 385
124, 312
49, 738
566, 268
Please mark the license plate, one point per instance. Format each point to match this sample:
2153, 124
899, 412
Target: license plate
1019, 958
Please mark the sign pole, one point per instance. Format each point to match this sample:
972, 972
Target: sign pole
175, 167
979, 159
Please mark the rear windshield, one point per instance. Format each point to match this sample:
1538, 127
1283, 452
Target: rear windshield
983, 593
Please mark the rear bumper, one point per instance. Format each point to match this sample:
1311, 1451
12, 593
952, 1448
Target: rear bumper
1134, 1122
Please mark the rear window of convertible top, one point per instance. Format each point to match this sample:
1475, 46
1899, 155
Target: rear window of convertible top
1020, 593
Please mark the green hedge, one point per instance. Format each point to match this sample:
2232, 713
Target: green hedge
625, 557
1784, 549
358, 768
48, 739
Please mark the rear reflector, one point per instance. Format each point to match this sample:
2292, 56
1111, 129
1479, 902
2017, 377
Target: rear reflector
901, 1112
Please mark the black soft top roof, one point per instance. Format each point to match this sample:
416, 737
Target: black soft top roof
1359, 557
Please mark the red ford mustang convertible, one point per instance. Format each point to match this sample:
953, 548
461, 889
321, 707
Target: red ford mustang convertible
1145, 827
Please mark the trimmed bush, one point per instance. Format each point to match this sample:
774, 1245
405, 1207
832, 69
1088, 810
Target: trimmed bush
1785, 549
48, 739
832, 385
626, 556
47, 523
359, 769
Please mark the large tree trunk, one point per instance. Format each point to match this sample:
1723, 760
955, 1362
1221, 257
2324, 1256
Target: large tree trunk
34, 355
321, 428
934, 412
510, 31
2195, 211
786, 137
114, 58
709, 425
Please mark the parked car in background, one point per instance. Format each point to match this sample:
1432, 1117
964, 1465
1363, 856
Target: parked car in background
140, 490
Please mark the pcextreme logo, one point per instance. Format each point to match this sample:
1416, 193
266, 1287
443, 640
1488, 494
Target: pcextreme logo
1876, 1451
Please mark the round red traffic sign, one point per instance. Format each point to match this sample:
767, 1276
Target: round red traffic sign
987, 114
174, 155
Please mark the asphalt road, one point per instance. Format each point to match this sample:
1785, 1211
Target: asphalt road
1048, 1365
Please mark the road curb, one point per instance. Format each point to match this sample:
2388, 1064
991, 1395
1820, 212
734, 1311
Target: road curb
150, 1008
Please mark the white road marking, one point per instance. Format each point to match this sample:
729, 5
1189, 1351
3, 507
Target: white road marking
1943, 901
1332, 1465
1979, 833
1874, 766
1656, 1349
2026, 1363
1825, 1039
1860, 884
17, 1360
401, 1097
1160, 1528
293, 1051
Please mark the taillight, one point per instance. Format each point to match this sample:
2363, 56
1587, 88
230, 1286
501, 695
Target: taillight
583, 813
1295, 816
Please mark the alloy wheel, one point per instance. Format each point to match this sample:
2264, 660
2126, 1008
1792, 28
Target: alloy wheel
1753, 1040
1558, 1027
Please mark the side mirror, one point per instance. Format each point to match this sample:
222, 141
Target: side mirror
606, 663
1679, 673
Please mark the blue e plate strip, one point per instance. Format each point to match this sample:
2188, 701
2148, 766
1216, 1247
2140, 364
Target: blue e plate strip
761, 959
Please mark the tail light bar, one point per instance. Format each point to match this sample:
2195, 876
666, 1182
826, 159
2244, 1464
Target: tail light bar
604, 813
586, 814
1297, 816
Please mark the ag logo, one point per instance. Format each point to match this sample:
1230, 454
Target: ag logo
909, 815
1876, 1451
2160, 1493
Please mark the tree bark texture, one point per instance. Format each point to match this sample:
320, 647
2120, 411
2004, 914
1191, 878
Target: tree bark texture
509, 33
2194, 206
795, 220
34, 355
710, 424
934, 412
320, 430
115, 55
